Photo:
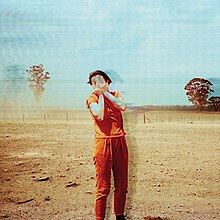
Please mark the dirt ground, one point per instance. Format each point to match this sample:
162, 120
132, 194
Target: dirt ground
47, 170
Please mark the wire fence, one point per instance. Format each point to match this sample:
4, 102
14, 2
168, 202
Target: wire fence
77, 116
63, 116
181, 117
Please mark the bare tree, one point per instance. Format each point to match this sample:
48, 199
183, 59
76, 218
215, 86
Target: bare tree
214, 102
198, 90
36, 80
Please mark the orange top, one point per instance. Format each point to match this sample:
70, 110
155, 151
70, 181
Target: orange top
112, 124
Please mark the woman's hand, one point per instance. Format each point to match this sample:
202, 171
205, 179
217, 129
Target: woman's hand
99, 84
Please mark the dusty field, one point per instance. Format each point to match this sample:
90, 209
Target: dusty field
47, 170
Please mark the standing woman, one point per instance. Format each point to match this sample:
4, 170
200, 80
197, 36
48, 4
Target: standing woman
110, 150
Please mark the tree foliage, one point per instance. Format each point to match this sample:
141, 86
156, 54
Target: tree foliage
214, 102
198, 91
37, 79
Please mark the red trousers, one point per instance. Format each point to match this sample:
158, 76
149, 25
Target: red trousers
110, 154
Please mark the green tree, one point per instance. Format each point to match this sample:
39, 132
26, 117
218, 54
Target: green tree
198, 91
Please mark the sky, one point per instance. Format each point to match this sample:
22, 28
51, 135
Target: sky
151, 48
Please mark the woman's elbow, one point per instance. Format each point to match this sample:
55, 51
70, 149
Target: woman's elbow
99, 117
123, 107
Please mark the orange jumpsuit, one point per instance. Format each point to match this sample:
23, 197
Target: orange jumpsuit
110, 153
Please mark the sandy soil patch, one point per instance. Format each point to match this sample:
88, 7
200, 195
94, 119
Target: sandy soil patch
47, 170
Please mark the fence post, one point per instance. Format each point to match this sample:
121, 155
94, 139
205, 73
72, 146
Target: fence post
4, 102
170, 118
67, 118
146, 118
23, 117
44, 117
